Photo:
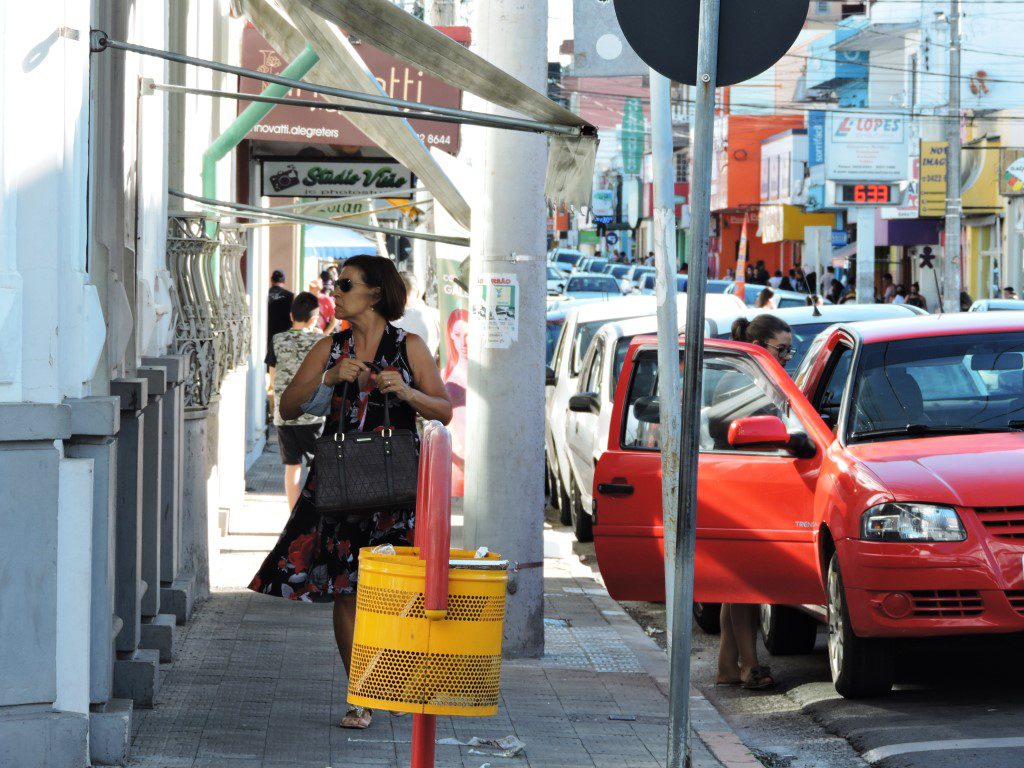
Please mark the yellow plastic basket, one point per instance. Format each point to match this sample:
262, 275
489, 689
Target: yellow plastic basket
405, 662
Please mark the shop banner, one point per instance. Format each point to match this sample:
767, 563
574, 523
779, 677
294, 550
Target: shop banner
1011, 172
932, 189
632, 135
323, 126
865, 148
453, 306
329, 178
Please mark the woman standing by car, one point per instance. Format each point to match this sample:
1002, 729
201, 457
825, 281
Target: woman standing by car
316, 559
737, 650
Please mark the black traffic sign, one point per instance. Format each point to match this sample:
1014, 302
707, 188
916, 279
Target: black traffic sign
752, 35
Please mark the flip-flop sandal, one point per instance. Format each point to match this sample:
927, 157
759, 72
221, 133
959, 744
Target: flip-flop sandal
359, 713
760, 680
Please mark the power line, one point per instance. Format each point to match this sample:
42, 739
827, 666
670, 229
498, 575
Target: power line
897, 36
773, 108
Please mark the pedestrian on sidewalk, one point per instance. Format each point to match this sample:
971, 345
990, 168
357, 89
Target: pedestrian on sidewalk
279, 304
328, 323
737, 650
316, 559
296, 438
419, 318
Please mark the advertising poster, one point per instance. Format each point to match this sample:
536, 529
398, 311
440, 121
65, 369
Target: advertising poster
453, 305
496, 302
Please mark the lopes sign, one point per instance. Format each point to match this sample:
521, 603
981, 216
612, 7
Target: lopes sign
294, 178
865, 148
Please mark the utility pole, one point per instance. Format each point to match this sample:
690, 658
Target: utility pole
504, 491
441, 13
954, 204
668, 321
691, 385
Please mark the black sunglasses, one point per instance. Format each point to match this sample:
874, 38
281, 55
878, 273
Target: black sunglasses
345, 285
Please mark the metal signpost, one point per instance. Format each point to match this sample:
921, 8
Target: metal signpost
751, 35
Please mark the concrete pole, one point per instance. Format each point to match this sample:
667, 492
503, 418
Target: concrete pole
691, 386
504, 493
865, 255
668, 322
954, 204
440, 13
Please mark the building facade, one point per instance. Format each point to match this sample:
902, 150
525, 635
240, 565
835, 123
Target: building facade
122, 379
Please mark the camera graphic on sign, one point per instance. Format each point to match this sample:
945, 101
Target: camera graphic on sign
285, 178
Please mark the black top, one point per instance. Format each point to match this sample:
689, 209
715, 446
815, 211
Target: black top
363, 411
279, 317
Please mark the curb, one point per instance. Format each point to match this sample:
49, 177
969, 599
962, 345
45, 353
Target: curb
707, 722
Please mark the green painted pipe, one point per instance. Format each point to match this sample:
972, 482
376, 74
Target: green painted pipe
244, 123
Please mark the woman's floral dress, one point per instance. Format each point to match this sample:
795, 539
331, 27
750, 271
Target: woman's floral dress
316, 558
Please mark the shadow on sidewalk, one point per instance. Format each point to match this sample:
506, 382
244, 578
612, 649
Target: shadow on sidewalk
258, 682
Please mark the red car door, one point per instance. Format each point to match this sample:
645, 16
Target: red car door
755, 516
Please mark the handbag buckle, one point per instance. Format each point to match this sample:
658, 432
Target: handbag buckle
388, 432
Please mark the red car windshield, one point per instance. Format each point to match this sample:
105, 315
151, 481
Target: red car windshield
939, 386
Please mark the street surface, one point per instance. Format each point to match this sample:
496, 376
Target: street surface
957, 702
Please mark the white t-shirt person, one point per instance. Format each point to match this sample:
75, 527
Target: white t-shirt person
420, 319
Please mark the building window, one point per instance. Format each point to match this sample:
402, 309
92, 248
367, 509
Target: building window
682, 160
822, 7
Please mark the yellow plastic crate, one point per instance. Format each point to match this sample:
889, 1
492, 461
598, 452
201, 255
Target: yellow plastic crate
405, 662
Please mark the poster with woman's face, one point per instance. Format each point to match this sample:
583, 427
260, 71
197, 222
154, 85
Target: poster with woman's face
453, 304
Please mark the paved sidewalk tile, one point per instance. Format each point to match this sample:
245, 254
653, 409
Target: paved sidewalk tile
257, 683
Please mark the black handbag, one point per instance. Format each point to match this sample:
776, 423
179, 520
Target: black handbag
363, 472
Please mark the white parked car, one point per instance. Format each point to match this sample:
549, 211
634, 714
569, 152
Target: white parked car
590, 406
556, 280
564, 258
586, 286
579, 328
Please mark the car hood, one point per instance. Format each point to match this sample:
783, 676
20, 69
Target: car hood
982, 470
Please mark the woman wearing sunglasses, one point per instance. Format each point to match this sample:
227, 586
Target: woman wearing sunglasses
347, 376
737, 650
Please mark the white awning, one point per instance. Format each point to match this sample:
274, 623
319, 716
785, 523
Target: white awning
341, 67
385, 25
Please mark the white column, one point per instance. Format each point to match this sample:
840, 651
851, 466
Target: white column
866, 256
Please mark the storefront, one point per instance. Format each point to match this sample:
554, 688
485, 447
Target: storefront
782, 226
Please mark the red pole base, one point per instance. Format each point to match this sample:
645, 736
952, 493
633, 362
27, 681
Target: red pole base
424, 730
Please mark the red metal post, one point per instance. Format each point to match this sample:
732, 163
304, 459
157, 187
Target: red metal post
433, 537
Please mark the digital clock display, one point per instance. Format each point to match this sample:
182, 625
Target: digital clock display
866, 194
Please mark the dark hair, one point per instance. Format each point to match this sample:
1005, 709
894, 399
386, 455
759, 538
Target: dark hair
382, 274
303, 306
325, 276
760, 330
763, 297
887, 276
277, 276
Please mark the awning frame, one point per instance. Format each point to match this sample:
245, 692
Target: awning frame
298, 218
100, 41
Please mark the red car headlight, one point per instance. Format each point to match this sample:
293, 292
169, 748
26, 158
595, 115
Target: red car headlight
902, 521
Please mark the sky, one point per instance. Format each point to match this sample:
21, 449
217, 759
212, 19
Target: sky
559, 25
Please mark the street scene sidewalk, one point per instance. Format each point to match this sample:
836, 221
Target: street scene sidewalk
257, 681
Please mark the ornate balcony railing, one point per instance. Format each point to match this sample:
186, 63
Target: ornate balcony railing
196, 332
232, 293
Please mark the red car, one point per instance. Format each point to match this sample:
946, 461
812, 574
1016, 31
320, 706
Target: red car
885, 482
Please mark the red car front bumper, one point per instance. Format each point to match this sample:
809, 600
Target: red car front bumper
922, 590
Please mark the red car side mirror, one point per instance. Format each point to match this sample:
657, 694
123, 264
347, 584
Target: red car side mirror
759, 431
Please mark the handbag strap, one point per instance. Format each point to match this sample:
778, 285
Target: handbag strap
374, 371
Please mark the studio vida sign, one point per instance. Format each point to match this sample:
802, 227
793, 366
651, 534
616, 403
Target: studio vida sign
320, 126
296, 178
